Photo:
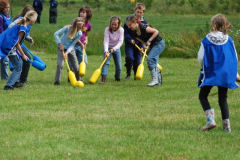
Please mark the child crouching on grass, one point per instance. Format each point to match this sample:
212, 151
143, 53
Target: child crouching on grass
10, 45
218, 59
70, 36
113, 40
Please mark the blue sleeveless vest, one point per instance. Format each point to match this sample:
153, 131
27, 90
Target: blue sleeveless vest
6, 21
9, 39
28, 27
220, 65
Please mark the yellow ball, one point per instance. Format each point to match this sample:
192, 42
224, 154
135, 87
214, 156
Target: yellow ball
132, 1
79, 84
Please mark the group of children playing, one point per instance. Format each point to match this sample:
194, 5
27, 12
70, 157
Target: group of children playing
217, 54
135, 32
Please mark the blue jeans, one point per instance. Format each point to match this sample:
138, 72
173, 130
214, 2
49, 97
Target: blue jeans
4, 68
132, 58
17, 69
154, 54
118, 64
78, 50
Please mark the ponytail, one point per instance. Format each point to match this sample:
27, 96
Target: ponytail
22, 21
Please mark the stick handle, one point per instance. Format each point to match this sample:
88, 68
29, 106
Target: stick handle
83, 54
105, 59
65, 60
23, 46
158, 65
138, 48
144, 55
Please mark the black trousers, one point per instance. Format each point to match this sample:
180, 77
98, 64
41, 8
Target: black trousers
38, 17
53, 15
25, 68
222, 99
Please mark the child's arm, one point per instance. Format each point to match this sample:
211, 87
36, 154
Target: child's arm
154, 35
106, 40
81, 44
87, 32
58, 33
200, 55
19, 48
76, 39
57, 38
29, 39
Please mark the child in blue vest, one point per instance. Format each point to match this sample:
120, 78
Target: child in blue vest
218, 59
5, 20
10, 45
26, 64
66, 38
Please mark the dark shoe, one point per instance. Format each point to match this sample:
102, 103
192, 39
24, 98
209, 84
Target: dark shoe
8, 88
117, 79
103, 80
127, 77
135, 78
24, 82
56, 83
18, 85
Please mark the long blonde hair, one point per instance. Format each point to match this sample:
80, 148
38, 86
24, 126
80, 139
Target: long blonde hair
73, 27
30, 16
220, 23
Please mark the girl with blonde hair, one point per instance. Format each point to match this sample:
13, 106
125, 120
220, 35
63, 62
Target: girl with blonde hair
70, 35
10, 45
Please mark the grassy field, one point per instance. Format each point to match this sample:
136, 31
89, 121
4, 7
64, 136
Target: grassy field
182, 33
118, 120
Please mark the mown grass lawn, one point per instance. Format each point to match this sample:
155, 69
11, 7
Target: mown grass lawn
117, 120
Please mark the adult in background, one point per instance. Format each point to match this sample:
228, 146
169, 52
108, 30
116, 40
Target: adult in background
53, 11
37, 5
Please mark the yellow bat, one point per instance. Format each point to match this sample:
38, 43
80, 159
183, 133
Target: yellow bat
71, 75
97, 72
140, 68
82, 66
158, 65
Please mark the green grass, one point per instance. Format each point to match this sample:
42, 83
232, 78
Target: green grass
117, 120
182, 33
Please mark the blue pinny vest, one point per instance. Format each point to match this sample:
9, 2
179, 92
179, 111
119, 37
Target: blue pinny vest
6, 21
9, 39
28, 27
220, 65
